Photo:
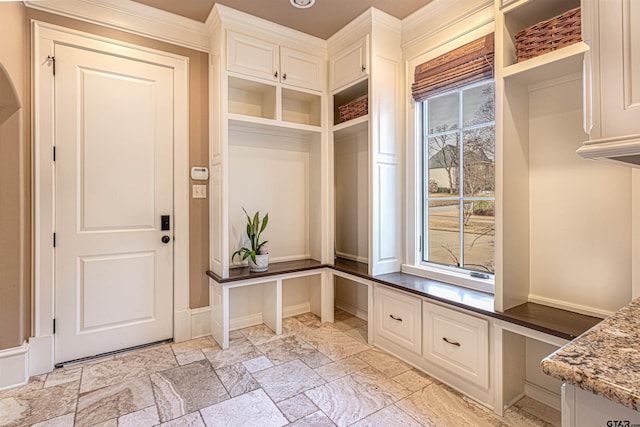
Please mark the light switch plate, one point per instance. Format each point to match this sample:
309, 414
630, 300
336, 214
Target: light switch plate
199, 191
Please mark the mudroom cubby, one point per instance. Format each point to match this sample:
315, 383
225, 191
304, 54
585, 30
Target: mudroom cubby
276, 173
351, 178
269, 144
519, 352
366, 147
354, 295
540, 119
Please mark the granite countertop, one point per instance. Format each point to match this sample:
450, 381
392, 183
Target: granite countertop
604, 360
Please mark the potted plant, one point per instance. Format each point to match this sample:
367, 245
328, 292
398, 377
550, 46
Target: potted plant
258, 255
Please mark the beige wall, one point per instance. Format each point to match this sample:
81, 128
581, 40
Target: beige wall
15, 172
198, 141
580, 211
15, 222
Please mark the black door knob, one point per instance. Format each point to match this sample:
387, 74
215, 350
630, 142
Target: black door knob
165, 239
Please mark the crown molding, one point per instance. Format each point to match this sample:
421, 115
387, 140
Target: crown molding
131, 17
213, 20
390, 22
440, 15
358, 27
250, 24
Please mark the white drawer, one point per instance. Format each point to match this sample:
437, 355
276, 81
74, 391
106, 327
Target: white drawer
398, 318
457, 342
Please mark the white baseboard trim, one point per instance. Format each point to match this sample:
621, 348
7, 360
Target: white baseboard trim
182, 325
14, 366
245, 321
358, 312
200, 322
294, 310
352, 257
577, 308
514, 400
40, 355
542, 395
256, 319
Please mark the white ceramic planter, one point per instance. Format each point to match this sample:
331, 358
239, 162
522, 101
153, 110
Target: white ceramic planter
261, 264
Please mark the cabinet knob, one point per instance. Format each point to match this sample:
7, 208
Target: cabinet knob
284, 76
448, 341
275, 75
399, 319
364, 68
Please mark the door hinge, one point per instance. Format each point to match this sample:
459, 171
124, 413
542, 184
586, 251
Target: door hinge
54, 240
52, 59
54, 326
54, 153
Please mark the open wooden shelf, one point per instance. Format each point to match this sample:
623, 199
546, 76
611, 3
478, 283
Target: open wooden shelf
567, 60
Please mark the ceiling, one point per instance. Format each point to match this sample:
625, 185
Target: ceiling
321, 20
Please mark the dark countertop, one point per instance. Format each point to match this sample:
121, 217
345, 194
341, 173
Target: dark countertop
275, 268
553, 321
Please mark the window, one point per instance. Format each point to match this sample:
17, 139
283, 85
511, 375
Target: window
458, 180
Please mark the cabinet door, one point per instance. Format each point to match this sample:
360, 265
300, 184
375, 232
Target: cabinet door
251, 56
619, 67
398, 318
301, 69
583, 408
349, 64
457, 342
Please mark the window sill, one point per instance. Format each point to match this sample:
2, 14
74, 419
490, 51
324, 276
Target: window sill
452, 277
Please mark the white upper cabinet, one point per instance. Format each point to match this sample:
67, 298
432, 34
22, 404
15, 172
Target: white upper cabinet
251, 56
266, 60
615, 63
349, 65
301, 69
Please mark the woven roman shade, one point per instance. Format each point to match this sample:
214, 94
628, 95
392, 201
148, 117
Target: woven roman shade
467, 64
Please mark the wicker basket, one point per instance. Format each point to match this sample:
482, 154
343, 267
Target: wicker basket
354, 109
547, 36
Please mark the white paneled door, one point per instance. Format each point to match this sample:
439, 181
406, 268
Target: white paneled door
114, 182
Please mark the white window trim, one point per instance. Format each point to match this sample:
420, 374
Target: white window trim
446, 275
413, 167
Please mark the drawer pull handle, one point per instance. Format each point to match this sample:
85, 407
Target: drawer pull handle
457, 344
399, 319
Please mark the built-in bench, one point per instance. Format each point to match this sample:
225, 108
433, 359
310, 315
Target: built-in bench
511, 342
549, 320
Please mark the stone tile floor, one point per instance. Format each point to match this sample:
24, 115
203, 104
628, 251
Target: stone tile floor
312, 375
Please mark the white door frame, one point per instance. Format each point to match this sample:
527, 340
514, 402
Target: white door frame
44, 35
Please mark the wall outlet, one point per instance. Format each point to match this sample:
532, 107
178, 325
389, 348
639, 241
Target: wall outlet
199, 191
